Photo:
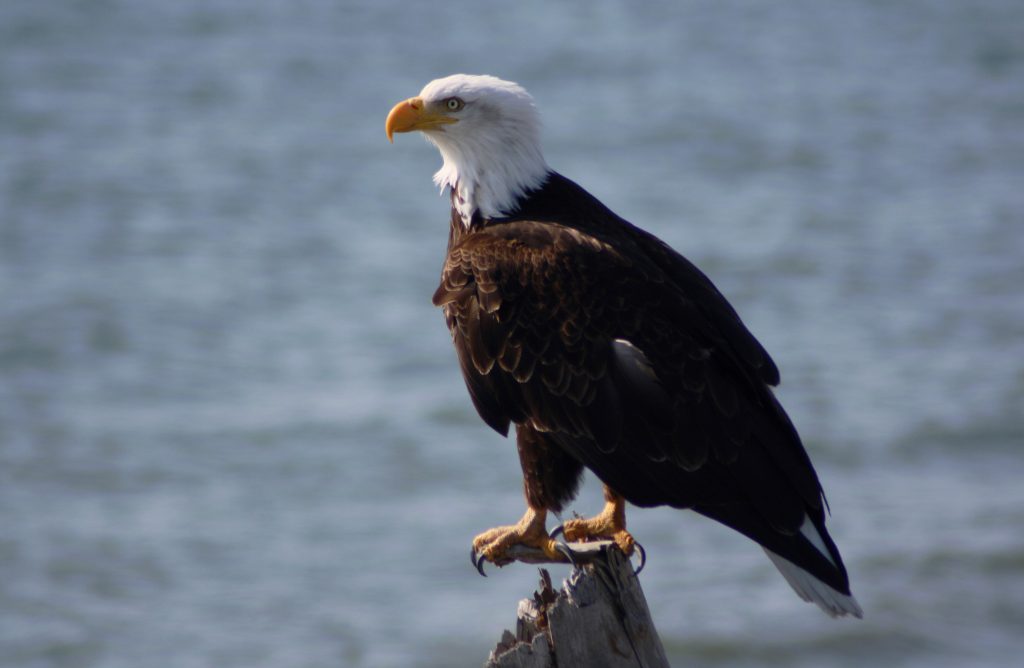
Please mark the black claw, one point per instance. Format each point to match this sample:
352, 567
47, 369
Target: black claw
643, 558
565, 551
477, 563
556, 532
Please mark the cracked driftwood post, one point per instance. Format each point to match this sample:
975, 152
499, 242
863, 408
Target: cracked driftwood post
599, 619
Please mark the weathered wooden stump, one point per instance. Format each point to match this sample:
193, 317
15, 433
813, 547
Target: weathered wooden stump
599, 619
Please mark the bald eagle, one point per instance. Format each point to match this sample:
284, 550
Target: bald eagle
608, 350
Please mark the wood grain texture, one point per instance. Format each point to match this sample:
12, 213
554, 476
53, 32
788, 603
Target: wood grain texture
599, 619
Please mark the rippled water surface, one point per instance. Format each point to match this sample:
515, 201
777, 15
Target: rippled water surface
232, 431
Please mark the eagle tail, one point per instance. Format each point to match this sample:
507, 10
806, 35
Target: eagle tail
813, 590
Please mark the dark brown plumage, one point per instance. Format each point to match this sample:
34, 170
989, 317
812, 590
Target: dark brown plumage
535, 302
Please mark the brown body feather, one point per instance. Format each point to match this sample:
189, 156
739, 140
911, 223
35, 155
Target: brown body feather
541, 305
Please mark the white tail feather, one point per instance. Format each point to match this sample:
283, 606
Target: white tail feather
813, 590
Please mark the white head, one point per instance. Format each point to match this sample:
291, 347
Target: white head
488, 132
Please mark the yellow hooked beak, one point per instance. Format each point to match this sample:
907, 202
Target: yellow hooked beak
412, 115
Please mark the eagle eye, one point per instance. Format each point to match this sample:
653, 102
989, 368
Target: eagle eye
454, 104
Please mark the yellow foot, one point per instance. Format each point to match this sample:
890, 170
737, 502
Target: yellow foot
609, 524
599, 527
493, 545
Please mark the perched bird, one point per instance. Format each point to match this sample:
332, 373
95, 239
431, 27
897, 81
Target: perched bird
608, 350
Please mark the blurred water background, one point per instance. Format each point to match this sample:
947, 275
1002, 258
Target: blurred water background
232, 430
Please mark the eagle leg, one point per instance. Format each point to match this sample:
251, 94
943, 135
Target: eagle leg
493, 545
609, 524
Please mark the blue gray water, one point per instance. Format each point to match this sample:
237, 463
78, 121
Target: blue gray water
232, 432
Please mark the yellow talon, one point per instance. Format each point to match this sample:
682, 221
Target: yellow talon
530, 531
610, 523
